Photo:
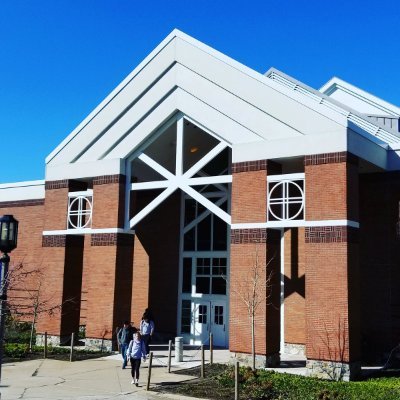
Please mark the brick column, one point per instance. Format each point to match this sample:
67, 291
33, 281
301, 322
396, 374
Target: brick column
332, 267
109, 263
61, 266
249, 205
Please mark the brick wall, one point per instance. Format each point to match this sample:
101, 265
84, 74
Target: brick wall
328, 192
86, 274
100, 287
72, 285
53, 265
295, 319
141, 281
332, 268
156, 263
108, 288
59, 253
56, 202
379, 263
260, 254
249, 188
249, 204
30, 214
108, 201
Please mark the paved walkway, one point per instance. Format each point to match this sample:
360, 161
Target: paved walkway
95, 379
103, 378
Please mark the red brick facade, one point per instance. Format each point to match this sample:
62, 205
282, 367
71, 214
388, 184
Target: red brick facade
332, 268
101, 279
379, 263
294, 284
253, 248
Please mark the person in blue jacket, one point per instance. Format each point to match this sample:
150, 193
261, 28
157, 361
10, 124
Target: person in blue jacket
124, 337
136, 351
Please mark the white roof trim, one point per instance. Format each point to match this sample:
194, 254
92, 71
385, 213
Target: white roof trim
21, 184
196, 44
83, 231
147, 60
353, 116
29, 190
296, 91
109, 98
295, 223
337, 83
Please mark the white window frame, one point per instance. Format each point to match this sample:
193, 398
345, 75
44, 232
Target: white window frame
273, 182
83, 214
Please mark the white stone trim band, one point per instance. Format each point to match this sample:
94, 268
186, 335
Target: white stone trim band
87, 231
295, 224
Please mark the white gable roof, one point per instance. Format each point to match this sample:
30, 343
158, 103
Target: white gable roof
358, 99
235, 103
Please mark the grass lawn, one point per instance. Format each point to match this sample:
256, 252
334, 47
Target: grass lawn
267, 385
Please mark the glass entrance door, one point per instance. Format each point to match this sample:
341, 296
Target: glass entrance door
218, 323
209, 317
201, 321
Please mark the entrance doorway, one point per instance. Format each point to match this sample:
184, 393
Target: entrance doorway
204, 302
184, 159
210, 317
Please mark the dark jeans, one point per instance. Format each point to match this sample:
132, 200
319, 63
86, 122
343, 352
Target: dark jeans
135, 365
147, 340
124, 347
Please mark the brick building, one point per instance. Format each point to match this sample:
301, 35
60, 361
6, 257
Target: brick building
194, 170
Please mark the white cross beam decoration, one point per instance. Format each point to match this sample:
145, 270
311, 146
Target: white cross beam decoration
180, 180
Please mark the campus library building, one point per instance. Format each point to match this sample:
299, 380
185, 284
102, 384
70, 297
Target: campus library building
195, 170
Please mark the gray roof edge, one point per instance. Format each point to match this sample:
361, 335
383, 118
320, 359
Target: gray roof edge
316, 92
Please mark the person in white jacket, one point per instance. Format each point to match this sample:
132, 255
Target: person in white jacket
136, 350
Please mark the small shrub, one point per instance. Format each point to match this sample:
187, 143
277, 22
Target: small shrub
227, 377
259, 390
16, 350
17, 332
327, 394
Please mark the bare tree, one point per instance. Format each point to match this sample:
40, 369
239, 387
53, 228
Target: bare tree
253, 289
27, 298
335, 347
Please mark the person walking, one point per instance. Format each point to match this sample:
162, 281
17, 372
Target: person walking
124, 337
136, 350
146, 330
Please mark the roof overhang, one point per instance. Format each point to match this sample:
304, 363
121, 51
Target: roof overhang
243, 108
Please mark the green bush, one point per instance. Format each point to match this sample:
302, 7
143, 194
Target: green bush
292, 387
16, 350
17, 332
268, 385
21, 351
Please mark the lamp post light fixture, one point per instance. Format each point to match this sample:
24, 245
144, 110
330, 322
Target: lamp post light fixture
8, 242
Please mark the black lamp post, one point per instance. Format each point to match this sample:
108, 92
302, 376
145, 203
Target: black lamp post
8, 242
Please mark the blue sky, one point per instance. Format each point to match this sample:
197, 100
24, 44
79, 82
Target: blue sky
60, 58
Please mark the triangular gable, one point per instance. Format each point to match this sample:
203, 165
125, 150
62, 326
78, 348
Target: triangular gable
236, 103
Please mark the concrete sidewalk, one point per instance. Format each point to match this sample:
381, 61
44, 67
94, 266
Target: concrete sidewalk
95, 379
103, 378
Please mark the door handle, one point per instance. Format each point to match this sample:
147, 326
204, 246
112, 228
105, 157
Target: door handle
224, 327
